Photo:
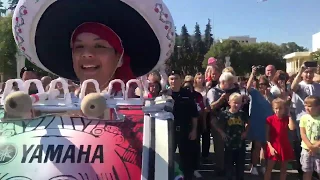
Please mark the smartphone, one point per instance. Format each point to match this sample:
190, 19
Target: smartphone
311, 64
282, 77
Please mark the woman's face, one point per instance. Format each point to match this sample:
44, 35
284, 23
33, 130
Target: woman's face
215, 74
200, 79
94, 58
263, 86
153, 78
154, 88
282, 83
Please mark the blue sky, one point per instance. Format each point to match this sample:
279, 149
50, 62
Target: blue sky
274, 21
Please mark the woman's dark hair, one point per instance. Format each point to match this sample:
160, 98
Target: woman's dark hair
280, 75
264, 80
190, 85
159, 86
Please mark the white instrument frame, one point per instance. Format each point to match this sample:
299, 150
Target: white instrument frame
50, 102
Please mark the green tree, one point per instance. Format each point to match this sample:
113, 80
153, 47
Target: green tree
199, 49
316, 55
8, 51
173, 61
3, 10
243, 57
290, 47
208, 40
221, 50
13, 4
8, 48
266, 53
185, 52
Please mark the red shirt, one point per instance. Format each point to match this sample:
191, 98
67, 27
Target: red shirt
199, 100
279, 139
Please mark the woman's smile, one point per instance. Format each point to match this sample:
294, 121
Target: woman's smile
90, 69
94, 58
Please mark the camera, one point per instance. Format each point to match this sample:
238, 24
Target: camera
260, 69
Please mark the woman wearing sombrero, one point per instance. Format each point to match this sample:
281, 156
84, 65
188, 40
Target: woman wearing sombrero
100, 39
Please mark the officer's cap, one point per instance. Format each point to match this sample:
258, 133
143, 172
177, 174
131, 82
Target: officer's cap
175, 72
24, 69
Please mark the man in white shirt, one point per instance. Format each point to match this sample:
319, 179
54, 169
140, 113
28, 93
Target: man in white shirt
218, 100
270, 72
302, 86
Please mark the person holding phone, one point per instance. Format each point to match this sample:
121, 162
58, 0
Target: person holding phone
302, 87
280, 86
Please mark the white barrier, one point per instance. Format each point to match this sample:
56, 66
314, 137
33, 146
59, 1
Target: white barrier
51, 102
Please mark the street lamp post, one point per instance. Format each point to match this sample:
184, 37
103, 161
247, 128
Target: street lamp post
227, 63
179, 48
21, 61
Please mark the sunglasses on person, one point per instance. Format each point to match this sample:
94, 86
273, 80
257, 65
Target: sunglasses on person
263, 84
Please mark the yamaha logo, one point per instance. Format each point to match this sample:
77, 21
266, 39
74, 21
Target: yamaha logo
7, 153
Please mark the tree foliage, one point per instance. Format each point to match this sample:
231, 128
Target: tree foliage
173, 61
3, 10
244, 56
189, 50
192, 52
13, 4
316, 55
8, 51
199, 49
8, 47
208, 40
185, 52
290, 47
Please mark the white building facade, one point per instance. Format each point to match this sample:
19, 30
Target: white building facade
295, 60
316, 42
243, 39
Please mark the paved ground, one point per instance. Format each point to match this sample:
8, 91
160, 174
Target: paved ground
208, 173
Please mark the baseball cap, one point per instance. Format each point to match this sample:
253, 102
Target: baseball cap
24, 69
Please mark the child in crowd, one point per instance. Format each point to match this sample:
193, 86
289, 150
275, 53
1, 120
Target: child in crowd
233, 126
278, 148
310, 135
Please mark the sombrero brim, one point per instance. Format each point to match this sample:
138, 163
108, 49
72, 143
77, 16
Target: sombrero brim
61, 18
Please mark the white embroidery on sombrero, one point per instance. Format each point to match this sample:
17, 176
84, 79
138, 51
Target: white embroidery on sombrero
163, 17
18, 30
28, 14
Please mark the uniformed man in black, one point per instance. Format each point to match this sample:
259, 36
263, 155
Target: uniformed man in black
185, 120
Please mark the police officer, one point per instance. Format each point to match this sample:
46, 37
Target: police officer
27, 73
185, 120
